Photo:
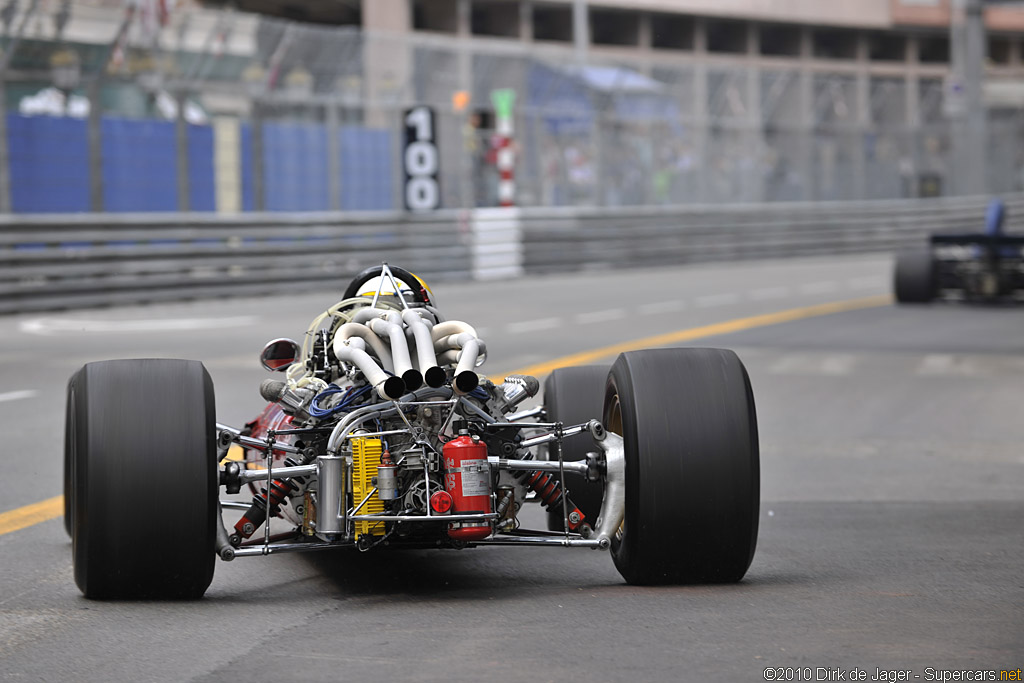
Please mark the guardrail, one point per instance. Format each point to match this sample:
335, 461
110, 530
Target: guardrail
84, 260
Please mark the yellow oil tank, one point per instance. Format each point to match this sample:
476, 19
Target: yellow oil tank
366, 454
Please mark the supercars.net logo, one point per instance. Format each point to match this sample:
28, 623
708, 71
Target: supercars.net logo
822, 673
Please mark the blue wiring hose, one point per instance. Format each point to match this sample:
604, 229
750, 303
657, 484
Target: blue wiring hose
346, 401
351, 396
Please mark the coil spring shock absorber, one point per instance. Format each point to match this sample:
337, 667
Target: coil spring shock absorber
550, 492
256, 515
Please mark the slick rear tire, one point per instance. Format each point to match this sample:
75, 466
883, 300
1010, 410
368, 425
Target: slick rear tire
143, 476
69, 430
571, 396
914, 278
689, 429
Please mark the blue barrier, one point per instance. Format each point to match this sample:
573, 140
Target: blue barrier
366, 169
245, 158
202, 194
139, 165
49, 164
50, 170
295, 167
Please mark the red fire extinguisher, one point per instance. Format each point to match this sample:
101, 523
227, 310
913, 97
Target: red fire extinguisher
468, 481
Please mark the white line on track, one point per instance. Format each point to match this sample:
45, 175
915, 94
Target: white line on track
53, 326
661, 307
867, 282
532, 325
17, 395
599, 316
818, 287
716, 300
769, 293
809, 364
948, 365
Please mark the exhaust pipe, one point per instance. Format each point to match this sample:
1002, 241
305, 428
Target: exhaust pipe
426, 359
471, 351
353, 351
376, 344
389, 324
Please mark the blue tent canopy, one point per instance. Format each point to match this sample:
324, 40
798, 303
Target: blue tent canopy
567, 98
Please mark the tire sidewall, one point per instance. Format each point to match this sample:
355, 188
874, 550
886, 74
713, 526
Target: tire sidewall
625, 543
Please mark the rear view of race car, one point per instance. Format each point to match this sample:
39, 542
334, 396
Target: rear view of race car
382, 434
977, 267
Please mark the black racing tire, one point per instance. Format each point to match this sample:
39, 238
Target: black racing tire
689, 429
571, 396
914, 277
143, 478
69, 430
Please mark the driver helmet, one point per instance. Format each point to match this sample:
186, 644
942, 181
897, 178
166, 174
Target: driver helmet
371, 286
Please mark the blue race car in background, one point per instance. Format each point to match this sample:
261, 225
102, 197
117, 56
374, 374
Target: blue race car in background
981, 267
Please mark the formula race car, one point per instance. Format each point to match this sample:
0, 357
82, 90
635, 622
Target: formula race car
381, 435
979, 267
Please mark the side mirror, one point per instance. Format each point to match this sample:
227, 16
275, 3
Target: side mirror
278, 354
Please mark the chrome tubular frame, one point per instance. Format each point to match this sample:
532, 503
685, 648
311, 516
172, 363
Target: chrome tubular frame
577, 466
550, 541
248, 476
235, 436
333, 517
479, 517
275, 548
523, 414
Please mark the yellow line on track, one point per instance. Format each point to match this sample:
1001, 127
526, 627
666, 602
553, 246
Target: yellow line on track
30, 515
51, 508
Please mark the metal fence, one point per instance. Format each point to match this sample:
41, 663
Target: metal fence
60, 262
230, 112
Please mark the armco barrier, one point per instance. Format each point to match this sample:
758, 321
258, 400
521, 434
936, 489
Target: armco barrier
560, 239
54, 262
82, 260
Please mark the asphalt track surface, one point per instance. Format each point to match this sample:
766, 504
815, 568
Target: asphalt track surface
892, 518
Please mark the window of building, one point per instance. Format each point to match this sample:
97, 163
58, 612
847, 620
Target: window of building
332, 13
933, 49
495, 18
887, 47
999, 50
835, 44
727, 36
552, 22
614, 27
671, 31
435, 15
779, 40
